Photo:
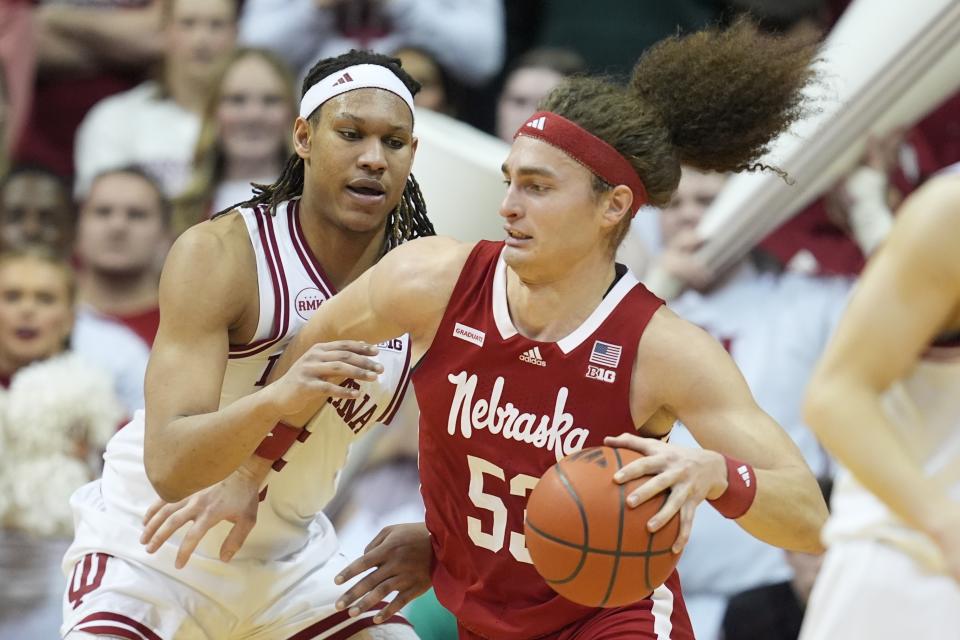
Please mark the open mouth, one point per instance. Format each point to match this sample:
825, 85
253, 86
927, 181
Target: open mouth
365, 191
516, 235
366, 188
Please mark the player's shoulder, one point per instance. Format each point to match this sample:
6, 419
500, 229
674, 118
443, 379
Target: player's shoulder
927, 227
668, 338
419, 276
428, 258
215, 255
935, 203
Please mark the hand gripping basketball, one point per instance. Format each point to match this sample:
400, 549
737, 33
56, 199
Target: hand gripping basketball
585, 541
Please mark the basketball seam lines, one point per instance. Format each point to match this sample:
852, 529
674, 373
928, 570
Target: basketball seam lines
603, 552
646, 565
586, 526
617, 556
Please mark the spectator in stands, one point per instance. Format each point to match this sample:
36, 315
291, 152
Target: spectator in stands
467, 37
156, 124
244, 137
85, 51
427, 70
531, 78
123, 234
35, 207
56, 414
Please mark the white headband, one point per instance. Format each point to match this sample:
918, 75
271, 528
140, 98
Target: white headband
359, 76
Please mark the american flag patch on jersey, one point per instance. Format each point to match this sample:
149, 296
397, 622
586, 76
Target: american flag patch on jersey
606, 354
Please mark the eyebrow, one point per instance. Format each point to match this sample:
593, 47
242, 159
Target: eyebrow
361, 121
530, 171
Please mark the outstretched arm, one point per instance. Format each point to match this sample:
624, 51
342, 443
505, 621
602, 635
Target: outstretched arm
406, 292
909, 293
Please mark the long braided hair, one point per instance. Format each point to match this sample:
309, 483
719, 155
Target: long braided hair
408, 220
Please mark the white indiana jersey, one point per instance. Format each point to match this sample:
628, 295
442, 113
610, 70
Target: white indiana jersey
925, 408
292, 286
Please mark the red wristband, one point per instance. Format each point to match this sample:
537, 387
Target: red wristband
278, 441
740, 492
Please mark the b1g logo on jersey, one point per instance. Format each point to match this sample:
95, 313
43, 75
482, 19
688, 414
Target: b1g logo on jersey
392, 345
308, 301
601, 374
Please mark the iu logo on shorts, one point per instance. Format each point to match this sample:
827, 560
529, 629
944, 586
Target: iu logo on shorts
87, 576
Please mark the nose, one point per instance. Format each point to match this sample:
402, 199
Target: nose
510, 206
689, 214
372, 157
25, 308
32, 226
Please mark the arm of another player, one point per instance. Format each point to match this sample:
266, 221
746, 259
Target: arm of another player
190, 443
908, 294
695, 379
406, 292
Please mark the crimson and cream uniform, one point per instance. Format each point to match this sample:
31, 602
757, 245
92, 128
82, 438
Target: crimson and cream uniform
875, 557
280, 584
497, 410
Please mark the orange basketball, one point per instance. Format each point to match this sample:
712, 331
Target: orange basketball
586, 542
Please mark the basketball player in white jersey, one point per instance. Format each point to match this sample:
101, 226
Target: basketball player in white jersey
885, 401
233, 293
530, 348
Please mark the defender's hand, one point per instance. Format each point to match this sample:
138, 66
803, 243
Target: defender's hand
317, 375
235, 499
400, 558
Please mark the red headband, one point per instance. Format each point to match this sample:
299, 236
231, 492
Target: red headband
602, 159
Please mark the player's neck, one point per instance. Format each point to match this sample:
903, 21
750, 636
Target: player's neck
118, 294
548, 310
342, 253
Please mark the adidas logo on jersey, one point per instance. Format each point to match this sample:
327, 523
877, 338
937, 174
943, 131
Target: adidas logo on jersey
537, 123
744, 472
345, 78
533, 357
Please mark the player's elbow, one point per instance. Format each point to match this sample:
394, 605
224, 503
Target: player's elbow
812, 517
163, 473
164, 481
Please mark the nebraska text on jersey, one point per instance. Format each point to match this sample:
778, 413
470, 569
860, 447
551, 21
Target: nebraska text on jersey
555, 433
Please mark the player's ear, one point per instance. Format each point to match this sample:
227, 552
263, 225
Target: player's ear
618, 203
302, 138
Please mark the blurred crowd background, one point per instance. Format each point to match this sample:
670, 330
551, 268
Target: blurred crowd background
123, 122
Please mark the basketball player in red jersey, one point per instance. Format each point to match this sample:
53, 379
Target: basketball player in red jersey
233, 293
535, 347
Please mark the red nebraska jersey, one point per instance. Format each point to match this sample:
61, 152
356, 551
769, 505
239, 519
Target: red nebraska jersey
498, 410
